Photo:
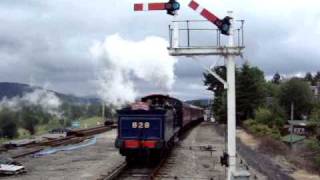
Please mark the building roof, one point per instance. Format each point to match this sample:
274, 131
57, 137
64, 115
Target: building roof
292, 138
299, 122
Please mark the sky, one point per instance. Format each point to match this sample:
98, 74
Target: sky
45, 42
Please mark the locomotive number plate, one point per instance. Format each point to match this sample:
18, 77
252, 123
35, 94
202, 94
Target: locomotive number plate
141, 125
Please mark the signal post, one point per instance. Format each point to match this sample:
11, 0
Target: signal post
229, 51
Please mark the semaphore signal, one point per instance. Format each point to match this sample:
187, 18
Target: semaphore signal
172, 7
223, 25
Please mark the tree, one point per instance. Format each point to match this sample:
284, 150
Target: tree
272, 90
211, 82
95, 110
8, 124
276, 78
316, 78
315, 113
29, 119
263, 116
308, 77
299, 93
219, 105
251, 92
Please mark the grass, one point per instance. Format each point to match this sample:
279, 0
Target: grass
90, 122
42, 129
22, 134
3, 140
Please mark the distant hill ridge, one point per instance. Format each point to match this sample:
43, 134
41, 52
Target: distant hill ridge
199, 102
11, 89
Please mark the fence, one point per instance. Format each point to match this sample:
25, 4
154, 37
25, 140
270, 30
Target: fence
195, 33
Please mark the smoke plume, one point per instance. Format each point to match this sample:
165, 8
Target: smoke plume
124, 61
48, 101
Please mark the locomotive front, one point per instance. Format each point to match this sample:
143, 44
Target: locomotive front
146, 127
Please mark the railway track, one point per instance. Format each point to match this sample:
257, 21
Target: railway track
147, 171
138, 170
73, 137
150, 171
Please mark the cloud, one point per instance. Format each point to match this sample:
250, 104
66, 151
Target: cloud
49, 41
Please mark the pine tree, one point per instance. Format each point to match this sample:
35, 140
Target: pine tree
250, 91
308, 77
297, 92
276, 78
316, 78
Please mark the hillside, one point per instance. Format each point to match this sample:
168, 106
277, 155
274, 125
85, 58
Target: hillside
199, 102
10, 90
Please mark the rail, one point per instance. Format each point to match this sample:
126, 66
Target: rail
125, 170
75, 137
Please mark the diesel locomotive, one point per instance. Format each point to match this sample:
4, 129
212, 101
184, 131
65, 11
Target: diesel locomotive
150, 127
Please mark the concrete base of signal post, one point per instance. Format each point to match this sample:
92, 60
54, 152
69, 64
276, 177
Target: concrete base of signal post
240, 175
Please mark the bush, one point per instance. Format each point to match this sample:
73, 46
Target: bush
9, 129
315, 115
313, 149
313, 144
248, 123
263, 116
8, 124
261, 129
317, 161
271, 117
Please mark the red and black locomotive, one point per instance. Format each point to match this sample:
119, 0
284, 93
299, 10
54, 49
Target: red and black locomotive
149, 127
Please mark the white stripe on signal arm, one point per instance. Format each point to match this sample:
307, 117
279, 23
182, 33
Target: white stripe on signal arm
145, 7
199, 9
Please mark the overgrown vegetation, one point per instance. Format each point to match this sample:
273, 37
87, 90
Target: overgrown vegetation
314, 146
264, 107
31, 120
250, 92
8, 124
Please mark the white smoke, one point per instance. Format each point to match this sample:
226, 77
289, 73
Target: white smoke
126, 60
48, 101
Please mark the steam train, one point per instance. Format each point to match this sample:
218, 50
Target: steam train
150, 127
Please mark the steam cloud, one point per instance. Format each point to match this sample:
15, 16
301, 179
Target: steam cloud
125, 60
48, 101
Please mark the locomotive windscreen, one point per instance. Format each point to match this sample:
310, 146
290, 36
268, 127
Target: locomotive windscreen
165, 101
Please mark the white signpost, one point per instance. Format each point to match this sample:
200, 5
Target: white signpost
228, 51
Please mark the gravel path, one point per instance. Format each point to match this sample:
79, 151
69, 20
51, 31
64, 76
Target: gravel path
262, 163
189, 159
261, 166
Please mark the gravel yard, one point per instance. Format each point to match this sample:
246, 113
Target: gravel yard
85, 163
196, 156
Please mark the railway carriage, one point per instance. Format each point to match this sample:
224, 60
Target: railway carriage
149, 127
